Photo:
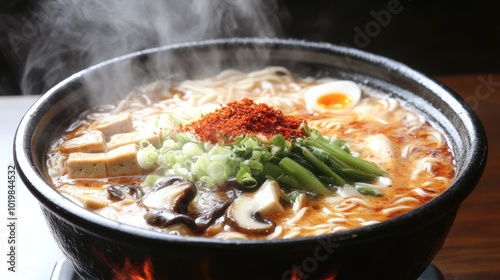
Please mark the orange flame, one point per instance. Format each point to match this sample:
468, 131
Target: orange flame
131, 271
297, 274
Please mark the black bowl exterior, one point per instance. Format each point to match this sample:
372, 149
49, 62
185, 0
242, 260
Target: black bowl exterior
402, 254
400, 248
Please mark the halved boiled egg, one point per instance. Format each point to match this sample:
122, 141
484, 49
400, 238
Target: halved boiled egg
337, 97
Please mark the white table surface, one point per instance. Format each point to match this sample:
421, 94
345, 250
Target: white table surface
37, 253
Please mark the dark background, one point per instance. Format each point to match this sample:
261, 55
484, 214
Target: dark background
435, 37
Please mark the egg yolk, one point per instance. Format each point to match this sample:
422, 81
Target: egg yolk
334, 101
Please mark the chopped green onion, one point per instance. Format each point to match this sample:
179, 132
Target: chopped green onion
369, 191
253, 165
244, 177
151, 179
313, 164
216, 170
147, 157
191, 149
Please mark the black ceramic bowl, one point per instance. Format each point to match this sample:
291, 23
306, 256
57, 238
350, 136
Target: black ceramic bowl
98, 248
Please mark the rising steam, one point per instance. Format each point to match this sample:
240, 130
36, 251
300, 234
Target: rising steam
73, 34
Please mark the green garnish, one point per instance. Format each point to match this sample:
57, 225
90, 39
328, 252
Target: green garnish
314, 163
369, 191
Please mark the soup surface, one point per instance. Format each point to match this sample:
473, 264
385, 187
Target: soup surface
252, 155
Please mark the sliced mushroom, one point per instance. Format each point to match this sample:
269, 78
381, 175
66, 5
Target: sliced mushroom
249, 213
212, 204
173, 193
243, 215
167, 202
165, 218
121, 192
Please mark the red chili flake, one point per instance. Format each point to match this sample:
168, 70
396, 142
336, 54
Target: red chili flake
245, 117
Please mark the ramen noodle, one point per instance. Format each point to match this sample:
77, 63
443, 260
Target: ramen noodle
243, 156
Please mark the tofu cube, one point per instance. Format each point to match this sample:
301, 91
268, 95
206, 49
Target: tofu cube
91, 142
268, 198
87, 165
134, 137
118, 123
122, 161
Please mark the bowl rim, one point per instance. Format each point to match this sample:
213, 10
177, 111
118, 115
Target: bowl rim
105, 228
